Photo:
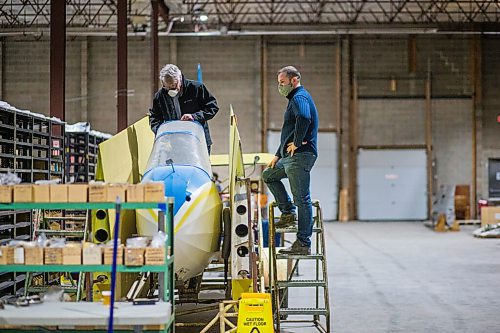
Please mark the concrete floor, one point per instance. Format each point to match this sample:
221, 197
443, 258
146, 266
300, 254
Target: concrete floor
403, 277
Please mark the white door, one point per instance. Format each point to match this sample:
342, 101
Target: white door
392, 184
323, 175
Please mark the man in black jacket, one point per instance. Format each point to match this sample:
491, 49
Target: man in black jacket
182, 99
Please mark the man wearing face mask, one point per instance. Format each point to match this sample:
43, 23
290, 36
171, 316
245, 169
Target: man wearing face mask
294, 160
182, 99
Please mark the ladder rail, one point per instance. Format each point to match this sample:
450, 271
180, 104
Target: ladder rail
318, 236
272, 264
325, 267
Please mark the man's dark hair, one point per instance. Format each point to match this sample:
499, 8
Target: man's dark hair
290, 72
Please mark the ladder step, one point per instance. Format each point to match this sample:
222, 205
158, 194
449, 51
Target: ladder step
293, 230
48, 232
303, 311
302, 283
300, 256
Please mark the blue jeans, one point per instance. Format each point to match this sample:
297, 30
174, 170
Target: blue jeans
297, 169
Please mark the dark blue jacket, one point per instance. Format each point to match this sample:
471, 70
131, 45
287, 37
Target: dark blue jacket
300, 123
194, 99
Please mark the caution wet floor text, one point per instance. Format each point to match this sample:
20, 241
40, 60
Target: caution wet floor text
255, 313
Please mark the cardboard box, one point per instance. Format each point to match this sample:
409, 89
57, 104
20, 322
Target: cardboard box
135, 193
6, 193
92, 254
155, 256
154, 192
33, 255
72, 254
41, 193
59, 193
108, 255
116, 190
98, 192
490, 215
53, 255
6, 255
18, 255
23, 193
78, 192
134, 256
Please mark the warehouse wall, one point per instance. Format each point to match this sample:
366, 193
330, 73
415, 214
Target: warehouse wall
26, 75
448, 60
316, 62
102, 81
377, 56
391, 121
74, 74
452, 140
387, 117
232, 74
232, 71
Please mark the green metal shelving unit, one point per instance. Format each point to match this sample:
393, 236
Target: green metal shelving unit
167, 225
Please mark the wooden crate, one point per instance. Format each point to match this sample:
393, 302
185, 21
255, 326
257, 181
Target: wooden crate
108, 255
134, 256
33, 255
155, 256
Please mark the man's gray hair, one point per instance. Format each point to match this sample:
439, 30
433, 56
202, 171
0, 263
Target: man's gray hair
170, 73
290, 72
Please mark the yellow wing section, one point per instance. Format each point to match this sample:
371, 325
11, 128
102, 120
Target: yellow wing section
123, 158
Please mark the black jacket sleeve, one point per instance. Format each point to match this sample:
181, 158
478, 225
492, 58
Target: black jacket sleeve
155, 115
208, 105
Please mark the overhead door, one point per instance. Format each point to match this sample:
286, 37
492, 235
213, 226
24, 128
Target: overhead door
392, 184
323, 175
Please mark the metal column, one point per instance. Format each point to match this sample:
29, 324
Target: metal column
122, 65
57, 57
154, 46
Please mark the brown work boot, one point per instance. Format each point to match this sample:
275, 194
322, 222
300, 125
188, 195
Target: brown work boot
296, 248
287, 220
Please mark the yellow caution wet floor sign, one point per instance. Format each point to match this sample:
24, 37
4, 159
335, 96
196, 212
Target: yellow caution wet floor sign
255, 314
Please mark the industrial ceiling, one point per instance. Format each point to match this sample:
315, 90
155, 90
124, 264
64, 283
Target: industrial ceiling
258, 15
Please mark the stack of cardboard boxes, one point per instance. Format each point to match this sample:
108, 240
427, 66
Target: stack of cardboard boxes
78, 254
94, 192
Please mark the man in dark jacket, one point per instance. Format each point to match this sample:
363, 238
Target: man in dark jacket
182, 99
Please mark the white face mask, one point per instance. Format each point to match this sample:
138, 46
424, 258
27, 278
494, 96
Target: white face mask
173, 92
